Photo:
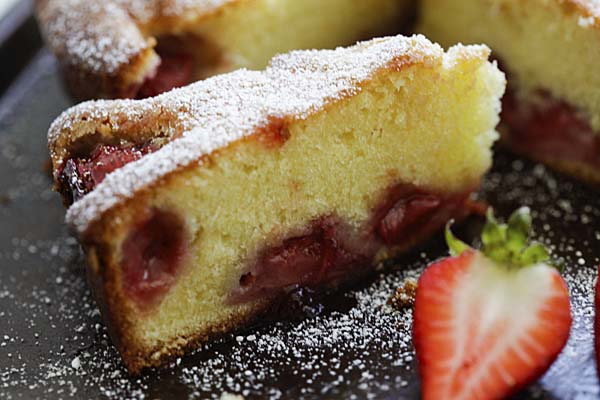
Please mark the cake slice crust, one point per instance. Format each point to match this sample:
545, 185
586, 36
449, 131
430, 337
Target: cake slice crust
351, 156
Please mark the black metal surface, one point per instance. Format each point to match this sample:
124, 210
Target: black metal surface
53, 343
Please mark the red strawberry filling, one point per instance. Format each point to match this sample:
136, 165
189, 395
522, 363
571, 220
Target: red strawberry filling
325, 254
79, 176
329, 252
550, 129
409, 214
152, 257
174, 71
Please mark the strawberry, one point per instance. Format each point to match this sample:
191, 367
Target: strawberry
488, 323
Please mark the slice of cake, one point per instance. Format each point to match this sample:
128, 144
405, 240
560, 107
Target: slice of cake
550, 50
199, 208
140, 48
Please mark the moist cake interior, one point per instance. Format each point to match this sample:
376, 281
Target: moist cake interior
415, 140
549, 50
246, 34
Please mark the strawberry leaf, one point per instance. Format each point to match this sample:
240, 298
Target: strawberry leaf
517, 233
499, 253
534, 254
456, 246
494, 233
509, 243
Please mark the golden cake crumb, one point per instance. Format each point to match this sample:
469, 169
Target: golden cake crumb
405, 295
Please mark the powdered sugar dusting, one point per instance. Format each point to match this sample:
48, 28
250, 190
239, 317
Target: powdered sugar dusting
591, 11
223, 109
566, 219
103, 36
83, 33
48, 317
146, 11
358, 347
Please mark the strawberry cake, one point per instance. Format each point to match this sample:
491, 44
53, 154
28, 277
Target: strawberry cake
140, 48
549, 49
200, 207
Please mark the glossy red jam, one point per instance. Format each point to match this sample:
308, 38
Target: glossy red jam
549, 129
174, 71
329, 252
152, 256
79, 176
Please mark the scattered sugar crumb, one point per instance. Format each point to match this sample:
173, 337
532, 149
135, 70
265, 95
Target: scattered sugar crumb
76, 363
229, 396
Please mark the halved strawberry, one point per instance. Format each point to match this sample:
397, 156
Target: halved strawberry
488, 323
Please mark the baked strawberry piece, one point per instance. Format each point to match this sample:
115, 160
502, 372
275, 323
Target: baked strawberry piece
80, 175
489, 322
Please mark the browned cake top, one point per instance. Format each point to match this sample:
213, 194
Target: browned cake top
211, 114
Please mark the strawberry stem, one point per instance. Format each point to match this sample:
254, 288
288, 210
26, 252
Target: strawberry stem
507, 244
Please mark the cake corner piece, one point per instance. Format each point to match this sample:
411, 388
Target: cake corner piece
199, 208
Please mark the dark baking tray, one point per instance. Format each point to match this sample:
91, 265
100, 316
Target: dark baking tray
348, 345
